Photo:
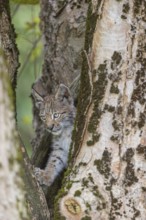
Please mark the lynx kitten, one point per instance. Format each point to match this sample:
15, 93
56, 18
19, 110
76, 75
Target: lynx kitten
57, 113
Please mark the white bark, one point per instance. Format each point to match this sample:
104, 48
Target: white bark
108, 177
12, 197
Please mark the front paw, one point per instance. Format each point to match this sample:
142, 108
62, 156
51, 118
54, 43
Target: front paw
42, 177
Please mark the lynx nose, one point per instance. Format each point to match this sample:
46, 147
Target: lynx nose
50, 127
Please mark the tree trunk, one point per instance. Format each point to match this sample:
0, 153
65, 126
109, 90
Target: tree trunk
107, 177
15, 168
107, 164
12, 193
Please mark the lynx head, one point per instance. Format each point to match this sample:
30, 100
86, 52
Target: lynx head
56, 111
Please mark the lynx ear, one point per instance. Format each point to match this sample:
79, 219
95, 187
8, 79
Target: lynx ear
63, 94
38, 99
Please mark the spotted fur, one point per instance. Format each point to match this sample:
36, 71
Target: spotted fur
57, 113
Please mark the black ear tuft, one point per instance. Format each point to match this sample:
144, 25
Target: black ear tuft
63, 94
38, 99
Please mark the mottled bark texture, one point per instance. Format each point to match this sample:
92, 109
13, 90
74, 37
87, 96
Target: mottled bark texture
107, 179
15, 168
8, 41
12, 193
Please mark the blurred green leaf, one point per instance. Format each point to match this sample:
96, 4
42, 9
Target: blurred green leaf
26, 119
36, 52
26, 23
32, 25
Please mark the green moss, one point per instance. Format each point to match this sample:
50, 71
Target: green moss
95, 138
130, 177
68, 185
77, 193
137, 5
116, 125
123, 17
116, 57
138, 92
136, 96
115, 207
114, 89
90, 178
136, 212
108, 188
61, 193
109, 108
143, 189
103, 165
140, 75
128, 155
96, 192
106, 107
85, 88
142, 119
119, 110
98, 94
115, 138
88, 206
127, 131
90, 143
85, 182
141, 149
57, 214
101, 206
126, 8
84, 97
131, 110
82, 164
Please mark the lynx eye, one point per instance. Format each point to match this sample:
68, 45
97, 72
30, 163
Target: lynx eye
56, 115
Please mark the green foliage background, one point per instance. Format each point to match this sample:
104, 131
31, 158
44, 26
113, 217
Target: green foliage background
26, 23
